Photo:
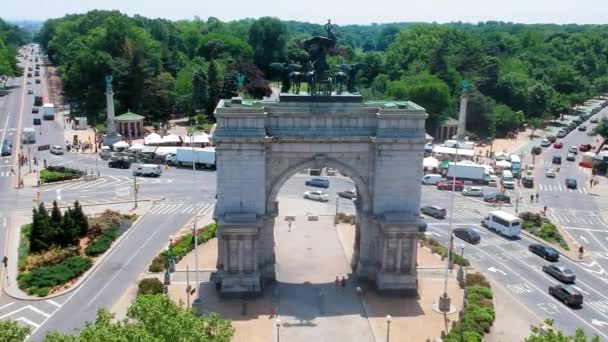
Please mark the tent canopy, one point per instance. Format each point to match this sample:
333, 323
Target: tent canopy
430, 162
136, 147
501, 155
503, 164
121, 144
451, 150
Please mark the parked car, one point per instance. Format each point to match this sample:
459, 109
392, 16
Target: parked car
573, 149
537, 150
469, 235
556, 160
6, 151
350, 194
594, 120
562, 133
582, 128
584, 147
527, 181
421, 226
120, 163
431, 179
545, 143
35, 110
560, 273
544, 252
330, 172
566, 294
551, 138
472, 191
56, 149
497, 197
558, 144
320, 182
550, 172
434, 211
450, 184
30, 91
316, 195
36, 122
571, 157
571, 183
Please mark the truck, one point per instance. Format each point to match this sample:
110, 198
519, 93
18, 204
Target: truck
48, 111
515, 165
28, 135
473, 172
186, 156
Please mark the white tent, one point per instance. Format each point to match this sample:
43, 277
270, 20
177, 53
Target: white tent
503, 164
501, 156
120, 145
430, 163
152, 139
136, 147
198, 139
171, 139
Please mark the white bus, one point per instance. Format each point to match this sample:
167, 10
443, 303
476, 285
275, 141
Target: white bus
503, 223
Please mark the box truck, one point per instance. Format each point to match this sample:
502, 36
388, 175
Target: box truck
185, 156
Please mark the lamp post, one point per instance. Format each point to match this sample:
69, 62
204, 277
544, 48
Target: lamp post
388, 327
278, 324
167, 260
195, 212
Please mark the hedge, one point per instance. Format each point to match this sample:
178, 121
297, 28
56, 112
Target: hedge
478, 315
183, 246
39, 280
52, 174
102, 242
150, 286
436, 248
540, 226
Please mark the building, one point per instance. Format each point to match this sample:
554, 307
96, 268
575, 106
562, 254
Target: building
446, 130
130, 125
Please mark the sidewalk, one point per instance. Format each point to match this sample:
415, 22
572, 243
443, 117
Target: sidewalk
513, 319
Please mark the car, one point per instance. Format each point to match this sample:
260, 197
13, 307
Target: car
571, 157
434, 211
421, 226
30, 91
350, 194
320, 182
497, 197
493, 183
582, 128
36, 122
56, 149
551, 138
562, 133
37, 81
6, 151
330, 172
35, 110
571, 183
566, 294
561, 273
537, 150
584, 147
432, 179
120, 163
544, 252
469, 235
316, 195
550, 172
556, 160
8, 143
472, 191
450, 184
527, 181
558, 144
573, 149
594, 120
545, 143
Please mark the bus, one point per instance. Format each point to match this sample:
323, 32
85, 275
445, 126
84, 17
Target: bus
503, 223
515, 165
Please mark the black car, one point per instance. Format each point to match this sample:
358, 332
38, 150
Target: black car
582, 128
469, 235
557, 160
36, 121
120, 163
566, 294
421, 226
560, 273
551, 138
35, 110
350, 194
497, 197
6, 151
527, 181
537, 150
571, 183
434, 211
544, 252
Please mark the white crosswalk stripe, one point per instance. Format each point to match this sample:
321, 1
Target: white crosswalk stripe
560, 188
104, 182
179, 208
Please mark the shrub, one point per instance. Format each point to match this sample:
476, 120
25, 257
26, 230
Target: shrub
48, 176
102, 243
476, 279
158, 264
183, 246
150, 286
50, 276
24, 244
53, 256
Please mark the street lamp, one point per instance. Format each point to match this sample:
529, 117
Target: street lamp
194, 233
388, 327
167, 261
278, 323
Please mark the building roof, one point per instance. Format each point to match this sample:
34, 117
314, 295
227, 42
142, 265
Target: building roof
129, 116
449, 122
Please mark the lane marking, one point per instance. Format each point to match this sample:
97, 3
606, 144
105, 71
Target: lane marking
54, 303
6, 305
27, 321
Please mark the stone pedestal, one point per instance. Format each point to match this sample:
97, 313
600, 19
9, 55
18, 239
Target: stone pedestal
110, 139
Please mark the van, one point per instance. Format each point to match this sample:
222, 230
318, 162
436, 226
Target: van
147, 170
507, 180
431, 179
105, 152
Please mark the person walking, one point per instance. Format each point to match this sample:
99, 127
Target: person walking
531, 198
537, 197
337, 282
343, 282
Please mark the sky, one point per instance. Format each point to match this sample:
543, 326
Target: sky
341, 12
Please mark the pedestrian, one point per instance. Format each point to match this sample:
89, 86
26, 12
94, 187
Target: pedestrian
537, 197
545, 209
337, 281
273, 312
343, 282
597, 182
44, 161
531, 198
591, 183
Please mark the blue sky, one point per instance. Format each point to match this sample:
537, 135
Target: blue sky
341, 11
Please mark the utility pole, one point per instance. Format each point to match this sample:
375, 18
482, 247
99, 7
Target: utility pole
194, 232
135, 190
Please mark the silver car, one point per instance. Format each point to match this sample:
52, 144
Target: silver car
472, 191
316, 195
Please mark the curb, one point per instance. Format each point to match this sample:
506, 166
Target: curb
8, 290
56, 183
559, 250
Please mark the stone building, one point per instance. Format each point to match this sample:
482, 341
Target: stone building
130, 125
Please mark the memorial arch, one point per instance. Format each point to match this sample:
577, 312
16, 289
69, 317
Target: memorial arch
261, 144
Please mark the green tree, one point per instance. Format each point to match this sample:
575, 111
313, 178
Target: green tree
268, 37
70, 231
505, 119
230, 85
601, 128
56, 216
199, 90
214, 90
42, 231
549, 334
10, 331
80, 219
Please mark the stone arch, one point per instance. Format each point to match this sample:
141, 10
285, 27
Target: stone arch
363, 193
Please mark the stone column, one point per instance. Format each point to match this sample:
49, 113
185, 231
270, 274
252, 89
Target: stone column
462, 117
111, 129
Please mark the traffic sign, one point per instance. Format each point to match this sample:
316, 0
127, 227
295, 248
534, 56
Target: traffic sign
44, 148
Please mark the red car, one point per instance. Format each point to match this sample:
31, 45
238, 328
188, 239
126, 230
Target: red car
449, 184
558, 145
584, 147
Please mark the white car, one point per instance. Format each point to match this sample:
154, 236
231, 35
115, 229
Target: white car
316, 195
330, 172
545, 143
472, 191
573, 149
550, 172
493, 183
56, 149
